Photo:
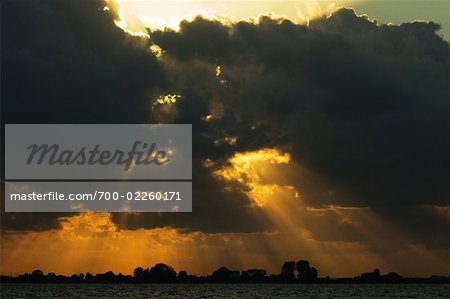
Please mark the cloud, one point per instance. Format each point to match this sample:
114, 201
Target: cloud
352, 100
360, 107
68, 62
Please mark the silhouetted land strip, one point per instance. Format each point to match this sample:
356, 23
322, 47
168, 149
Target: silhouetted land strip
291, 272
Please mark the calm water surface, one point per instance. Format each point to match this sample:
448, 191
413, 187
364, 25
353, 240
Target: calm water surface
222, 291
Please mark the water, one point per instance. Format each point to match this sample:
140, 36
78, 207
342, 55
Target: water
223, 291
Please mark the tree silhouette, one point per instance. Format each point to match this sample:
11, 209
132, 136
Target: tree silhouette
223, 274
162, 273
254, 275
287, 271
305, 272
291, 272
37, 273
138, 273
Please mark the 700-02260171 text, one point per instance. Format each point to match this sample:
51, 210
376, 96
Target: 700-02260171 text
99, 195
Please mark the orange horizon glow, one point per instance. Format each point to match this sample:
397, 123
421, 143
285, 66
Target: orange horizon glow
92, 242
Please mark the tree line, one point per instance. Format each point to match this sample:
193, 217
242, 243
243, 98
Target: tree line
291, 272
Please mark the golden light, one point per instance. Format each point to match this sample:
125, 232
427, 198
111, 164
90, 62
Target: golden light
167, 99
218, 71
92, 242
231, 140
163, 107
248, 170
136, 16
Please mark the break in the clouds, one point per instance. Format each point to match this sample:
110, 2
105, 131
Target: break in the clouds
361, 108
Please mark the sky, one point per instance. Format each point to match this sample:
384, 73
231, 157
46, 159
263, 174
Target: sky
321, 135
160, 14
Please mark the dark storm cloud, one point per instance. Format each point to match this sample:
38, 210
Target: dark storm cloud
363, 107
421, 223
67, 62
